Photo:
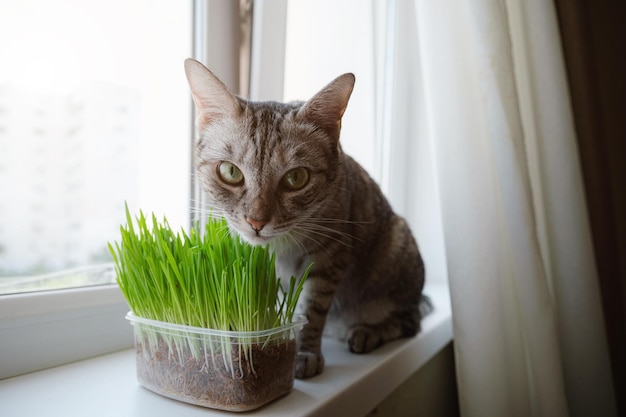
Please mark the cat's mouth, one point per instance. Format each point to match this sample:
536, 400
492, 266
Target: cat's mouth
254, 237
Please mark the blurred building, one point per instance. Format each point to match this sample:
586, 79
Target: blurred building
67, 164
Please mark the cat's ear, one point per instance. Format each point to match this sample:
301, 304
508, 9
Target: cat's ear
212, 98
326, 108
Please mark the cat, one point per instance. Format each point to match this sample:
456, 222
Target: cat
277, 173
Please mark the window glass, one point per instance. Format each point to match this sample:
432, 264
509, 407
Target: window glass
316, 54
94, 112
385, 125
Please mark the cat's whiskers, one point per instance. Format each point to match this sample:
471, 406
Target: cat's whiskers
290, 238
315, 241
309, 229
282, 236
328, 232
341, 221
225, 230
317, 224
205, 209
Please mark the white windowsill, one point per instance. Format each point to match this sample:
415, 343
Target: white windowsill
351, 385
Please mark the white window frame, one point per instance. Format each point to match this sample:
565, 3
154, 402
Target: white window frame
43, 329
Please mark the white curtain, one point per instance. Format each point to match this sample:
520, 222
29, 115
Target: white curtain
480, 85
528, 332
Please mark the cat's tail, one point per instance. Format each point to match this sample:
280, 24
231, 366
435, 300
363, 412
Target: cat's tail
426, 306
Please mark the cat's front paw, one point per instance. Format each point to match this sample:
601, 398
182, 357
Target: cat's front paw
309, 364
363, 339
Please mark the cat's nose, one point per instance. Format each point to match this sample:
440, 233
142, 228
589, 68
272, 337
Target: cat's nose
257, 225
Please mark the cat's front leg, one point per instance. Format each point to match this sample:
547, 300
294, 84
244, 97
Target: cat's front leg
315, 302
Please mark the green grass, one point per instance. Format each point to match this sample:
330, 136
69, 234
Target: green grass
211, 280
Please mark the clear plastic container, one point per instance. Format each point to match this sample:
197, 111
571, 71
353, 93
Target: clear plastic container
233, 371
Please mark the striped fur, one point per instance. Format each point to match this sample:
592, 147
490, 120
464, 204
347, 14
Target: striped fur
367, 277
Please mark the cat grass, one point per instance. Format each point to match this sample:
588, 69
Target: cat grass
211, 280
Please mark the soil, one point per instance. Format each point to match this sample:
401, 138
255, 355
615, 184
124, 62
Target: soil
209, 383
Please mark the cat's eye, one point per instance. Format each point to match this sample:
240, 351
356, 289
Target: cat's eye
296, 179
229, 173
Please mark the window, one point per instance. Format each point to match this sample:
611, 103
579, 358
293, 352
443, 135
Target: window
311, 62
383, 127
94, 112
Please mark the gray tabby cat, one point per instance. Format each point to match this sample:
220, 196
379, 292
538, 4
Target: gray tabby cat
277, 173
